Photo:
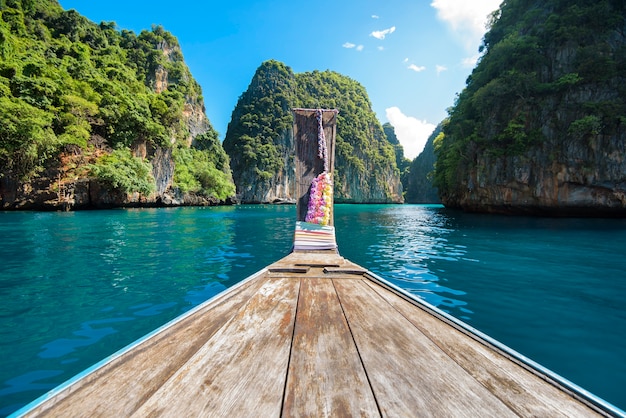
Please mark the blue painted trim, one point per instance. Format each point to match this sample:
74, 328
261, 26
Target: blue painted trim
72, 381
578, 391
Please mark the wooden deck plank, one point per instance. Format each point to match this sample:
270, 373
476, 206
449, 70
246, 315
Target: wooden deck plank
326, 377
241, 370
148, 366
524, 392
318, 259
409, 374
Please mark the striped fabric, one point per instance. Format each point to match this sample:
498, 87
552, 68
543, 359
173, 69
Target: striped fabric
310, 236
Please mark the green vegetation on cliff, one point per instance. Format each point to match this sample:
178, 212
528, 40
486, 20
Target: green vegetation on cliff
121, 171
202, 169
263, 113
403, 163
260, 144
552, 78
419, 177
70, 86
364, 157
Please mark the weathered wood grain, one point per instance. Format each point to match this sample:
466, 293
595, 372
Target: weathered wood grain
524, 392
326, 377
123, 384
241, 370
409, 374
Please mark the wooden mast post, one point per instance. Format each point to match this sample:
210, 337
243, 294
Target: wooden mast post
314, 137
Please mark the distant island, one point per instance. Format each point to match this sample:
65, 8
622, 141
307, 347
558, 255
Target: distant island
260, 143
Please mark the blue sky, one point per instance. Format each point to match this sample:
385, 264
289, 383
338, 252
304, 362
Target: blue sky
412, 56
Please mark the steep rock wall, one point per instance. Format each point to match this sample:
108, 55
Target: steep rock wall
541, 126
578, 179
420, 187
280, 187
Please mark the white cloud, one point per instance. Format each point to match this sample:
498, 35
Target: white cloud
381, 48
440, 69
350, 45
467, 18
416, 68
380, 34
470, 62
411, 132
406, 60
375, 17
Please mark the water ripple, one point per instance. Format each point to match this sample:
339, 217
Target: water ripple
408, 250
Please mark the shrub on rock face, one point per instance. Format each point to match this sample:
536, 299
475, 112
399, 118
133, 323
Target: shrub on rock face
195, 172
123, 172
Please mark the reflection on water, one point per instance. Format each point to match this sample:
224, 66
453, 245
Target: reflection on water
405, 247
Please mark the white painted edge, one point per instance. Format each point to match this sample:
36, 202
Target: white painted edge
92, 369
580, 393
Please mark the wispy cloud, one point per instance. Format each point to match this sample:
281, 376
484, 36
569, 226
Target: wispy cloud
440, 69
381, 34
470, 62
375, 17
350, 45
467, 18
417, 69
411, 132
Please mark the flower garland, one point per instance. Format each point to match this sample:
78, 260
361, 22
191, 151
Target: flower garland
321, 193
320, 199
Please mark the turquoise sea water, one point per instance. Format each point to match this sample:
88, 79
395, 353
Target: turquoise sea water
76, 287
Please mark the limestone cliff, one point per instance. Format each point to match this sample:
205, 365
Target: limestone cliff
420, 187
541, 125
259, 139
108, 118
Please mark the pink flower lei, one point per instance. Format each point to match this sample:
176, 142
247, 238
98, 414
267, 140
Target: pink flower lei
321, 193
320, 199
